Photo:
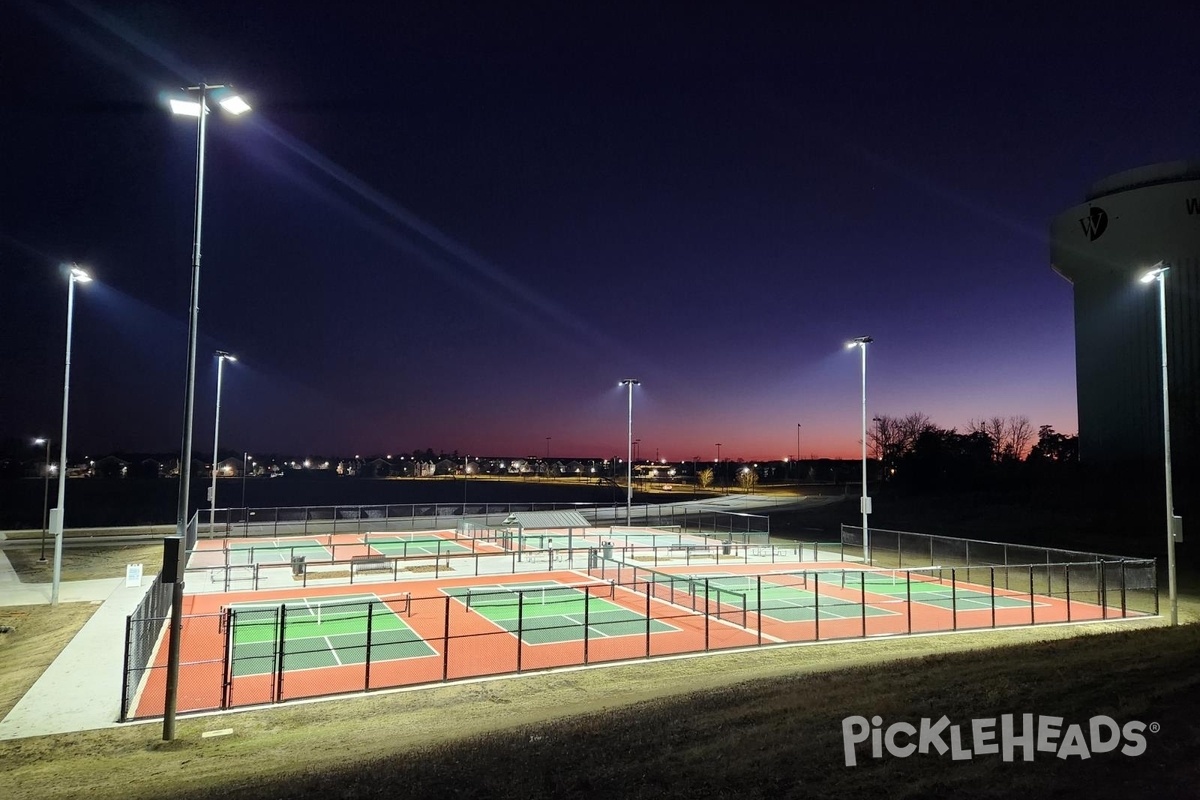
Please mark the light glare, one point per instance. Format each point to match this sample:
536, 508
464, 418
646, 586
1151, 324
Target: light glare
188, 108
234, 104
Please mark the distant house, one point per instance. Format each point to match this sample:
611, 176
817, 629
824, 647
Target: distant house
445, 467
149, 468
111, 467
229, 468
379, 468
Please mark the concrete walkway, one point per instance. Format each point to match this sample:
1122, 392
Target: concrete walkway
81, 690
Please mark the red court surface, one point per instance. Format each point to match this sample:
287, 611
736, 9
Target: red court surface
460, 643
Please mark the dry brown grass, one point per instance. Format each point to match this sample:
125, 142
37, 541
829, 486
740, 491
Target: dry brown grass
38, 634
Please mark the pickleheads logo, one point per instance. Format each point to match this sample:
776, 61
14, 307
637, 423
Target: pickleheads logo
1043, 734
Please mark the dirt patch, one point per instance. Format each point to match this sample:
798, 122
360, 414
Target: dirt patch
38, 634
84, 563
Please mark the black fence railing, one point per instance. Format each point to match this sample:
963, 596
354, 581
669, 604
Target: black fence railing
143, 628
283, 521
271, 651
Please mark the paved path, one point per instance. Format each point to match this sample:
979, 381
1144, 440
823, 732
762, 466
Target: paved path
81, 690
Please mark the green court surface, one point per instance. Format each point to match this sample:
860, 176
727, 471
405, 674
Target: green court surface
277, 552
923, 588
416, 547
547, 612
321, 632
784, 602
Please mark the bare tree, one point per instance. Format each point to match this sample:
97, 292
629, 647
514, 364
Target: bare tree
1011, 437
705, 477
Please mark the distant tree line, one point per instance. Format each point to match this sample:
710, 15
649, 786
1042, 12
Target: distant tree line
1000, 452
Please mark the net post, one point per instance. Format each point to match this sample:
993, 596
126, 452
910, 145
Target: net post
521, 624
367, 663
446, 641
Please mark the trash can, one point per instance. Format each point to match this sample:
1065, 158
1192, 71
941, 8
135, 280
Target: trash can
726, 547
297, 565
607, 550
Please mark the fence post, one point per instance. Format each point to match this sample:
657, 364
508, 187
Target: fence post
816, 606
125, 670
908, 601
1032, 614
1122, 588
992, 579
706, 615
587, 607
1103, 591
953, 598
446, 642
862, 591
367, 665
758, 606
280, 643
227, 616
648, 622
520, 625
1068, 581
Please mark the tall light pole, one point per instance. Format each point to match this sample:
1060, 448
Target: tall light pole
718, 465
799, 477
630, 382
865, 504
234, 104
246, 458
222, 357
1174, 524
75, 275
45, 493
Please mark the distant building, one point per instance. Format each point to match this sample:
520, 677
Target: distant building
1128, 223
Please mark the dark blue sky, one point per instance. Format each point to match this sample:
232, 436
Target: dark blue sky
458, 225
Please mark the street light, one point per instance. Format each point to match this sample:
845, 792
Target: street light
75, 275
1174, 524
245, 458
232, 103
630, 382
718, 465
222, 357
799, 477
45, 494
865, 504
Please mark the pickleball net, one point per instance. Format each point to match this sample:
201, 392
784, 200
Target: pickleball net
485, 596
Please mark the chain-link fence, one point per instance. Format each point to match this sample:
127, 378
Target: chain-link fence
307, 520
142, 631
1051, 571
341, 639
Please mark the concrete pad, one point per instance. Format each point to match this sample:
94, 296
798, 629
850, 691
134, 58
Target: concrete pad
81, 690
